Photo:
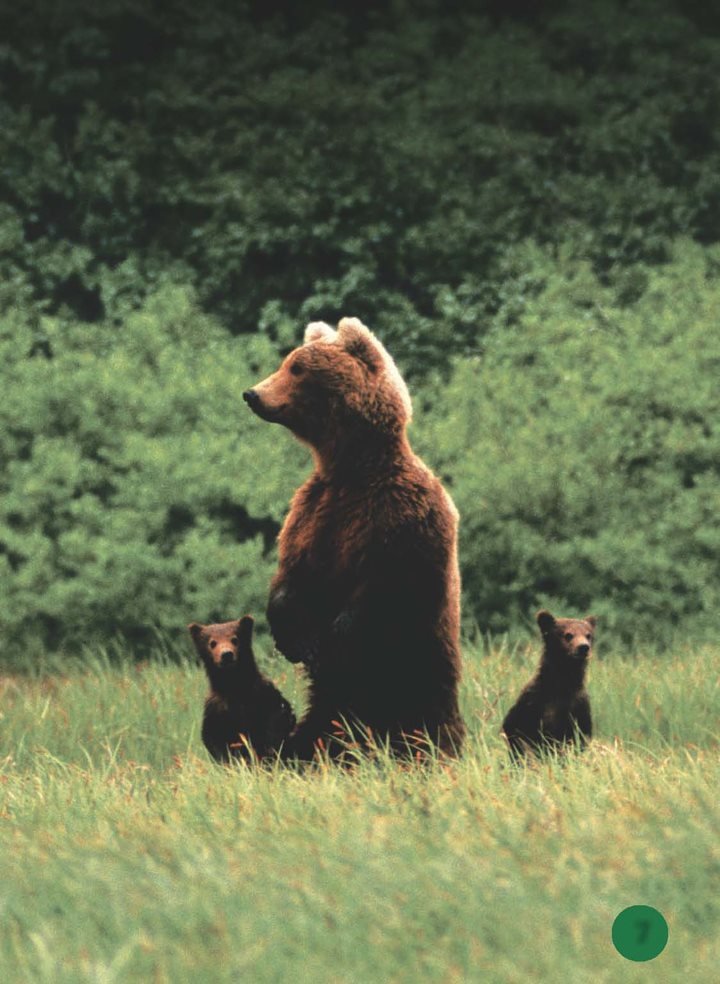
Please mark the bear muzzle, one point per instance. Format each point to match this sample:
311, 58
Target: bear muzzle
582, 651
260, 409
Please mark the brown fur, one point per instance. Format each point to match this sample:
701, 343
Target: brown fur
367, 591
554, 708
245, 714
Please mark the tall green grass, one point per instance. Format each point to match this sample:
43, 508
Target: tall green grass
128, 856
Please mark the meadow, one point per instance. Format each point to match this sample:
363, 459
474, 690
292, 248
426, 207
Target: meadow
129, 856
525, 206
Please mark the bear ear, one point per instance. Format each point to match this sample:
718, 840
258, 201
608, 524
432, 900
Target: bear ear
546, 621
245, 629
358, 341
591, 620
319, 331
196, 630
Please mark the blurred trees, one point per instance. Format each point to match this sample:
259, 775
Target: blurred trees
581, 448
138, 492
523, 202
583, 452
295, 161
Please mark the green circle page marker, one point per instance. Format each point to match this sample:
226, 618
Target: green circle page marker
640, 933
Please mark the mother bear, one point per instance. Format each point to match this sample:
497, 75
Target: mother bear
367, 590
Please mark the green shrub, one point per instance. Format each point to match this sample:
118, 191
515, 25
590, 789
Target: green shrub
583, 452
139, 492
298, 162
581, 447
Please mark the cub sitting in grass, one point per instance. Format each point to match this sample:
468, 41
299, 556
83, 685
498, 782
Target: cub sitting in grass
554, 708
245, 714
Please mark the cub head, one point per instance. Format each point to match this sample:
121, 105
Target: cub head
223, 644
567, 638
335, 379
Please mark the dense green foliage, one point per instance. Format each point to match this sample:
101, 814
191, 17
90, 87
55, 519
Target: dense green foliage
291, 161
583, 451
139, 490
522, 206
128, 856
581, 448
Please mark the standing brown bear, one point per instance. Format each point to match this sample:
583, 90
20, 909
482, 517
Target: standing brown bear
367, 591
554, 707
245, 714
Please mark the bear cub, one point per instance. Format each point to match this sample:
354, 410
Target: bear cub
245, 714
554, 708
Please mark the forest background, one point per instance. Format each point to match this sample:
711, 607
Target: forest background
522, 200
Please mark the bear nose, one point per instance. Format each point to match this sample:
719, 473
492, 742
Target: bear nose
583, 649
226, 657
251, 398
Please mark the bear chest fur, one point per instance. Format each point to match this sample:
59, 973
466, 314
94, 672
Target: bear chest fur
328, 530
558, 717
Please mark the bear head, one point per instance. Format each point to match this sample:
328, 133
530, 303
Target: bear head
568, 640
337, 383
223, 644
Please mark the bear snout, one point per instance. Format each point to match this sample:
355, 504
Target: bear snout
227, 657
582, 651
261, 408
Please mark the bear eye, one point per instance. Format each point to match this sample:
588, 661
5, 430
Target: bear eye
213, 644
234, 641
568, 637
296, 369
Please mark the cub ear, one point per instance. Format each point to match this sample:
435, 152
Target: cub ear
245, 629
319, 331
546, 621
591, 620
195, 630
358, 341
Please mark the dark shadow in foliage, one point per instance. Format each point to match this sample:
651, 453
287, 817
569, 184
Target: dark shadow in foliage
85, 303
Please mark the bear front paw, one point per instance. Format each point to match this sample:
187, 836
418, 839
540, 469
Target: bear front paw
344, 623
292, 652
311, 653
278, 605
300, 651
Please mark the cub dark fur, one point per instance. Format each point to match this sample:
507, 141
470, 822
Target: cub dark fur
245, 713
554, 707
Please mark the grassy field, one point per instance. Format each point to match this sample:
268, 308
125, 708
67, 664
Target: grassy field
128, 856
